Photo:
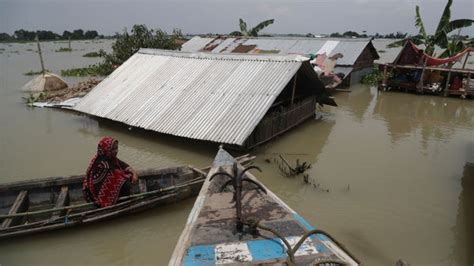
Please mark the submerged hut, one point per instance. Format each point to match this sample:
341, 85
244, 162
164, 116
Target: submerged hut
355, 57
414, 70
237, 99
46, 82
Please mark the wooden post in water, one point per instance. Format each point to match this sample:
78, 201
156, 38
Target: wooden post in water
40, 55
446, 88
384, 81
419, 87
468, 83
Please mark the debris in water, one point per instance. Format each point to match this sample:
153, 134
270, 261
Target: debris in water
288, 170
79, 90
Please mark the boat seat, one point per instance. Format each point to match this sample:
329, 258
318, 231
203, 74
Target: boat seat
62, 201
20, 205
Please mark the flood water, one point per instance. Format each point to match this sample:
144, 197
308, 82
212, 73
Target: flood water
391, 173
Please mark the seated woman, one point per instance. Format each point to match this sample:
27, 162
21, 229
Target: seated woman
107, 178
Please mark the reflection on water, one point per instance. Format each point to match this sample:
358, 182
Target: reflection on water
464, 230
357, 103
434, 117
390, 163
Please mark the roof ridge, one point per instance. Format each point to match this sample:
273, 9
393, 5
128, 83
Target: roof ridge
225, 56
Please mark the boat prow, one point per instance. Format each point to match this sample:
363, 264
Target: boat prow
236, 220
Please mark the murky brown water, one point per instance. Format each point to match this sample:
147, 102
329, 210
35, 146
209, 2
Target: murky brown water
396, 167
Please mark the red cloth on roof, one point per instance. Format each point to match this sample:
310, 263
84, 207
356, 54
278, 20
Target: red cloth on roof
433, 61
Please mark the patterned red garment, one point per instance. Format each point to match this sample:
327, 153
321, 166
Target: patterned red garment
105, 175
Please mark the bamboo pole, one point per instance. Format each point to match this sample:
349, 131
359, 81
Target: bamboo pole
40, 55
420, 82
468, 81
465, 60
384, 81
446, 88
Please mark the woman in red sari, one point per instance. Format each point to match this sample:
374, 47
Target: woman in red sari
107, 178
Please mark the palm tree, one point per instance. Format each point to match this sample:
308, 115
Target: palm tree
252, 32
440, 37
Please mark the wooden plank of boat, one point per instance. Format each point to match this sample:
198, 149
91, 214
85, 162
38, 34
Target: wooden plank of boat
62, 201
20, 204
52, 203
265, 231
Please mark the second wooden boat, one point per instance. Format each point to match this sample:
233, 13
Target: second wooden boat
236, 220
53, 203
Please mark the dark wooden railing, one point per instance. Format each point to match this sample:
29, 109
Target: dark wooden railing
278, 122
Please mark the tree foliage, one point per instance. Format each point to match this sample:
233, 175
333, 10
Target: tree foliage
440, 36
5, 37
253, 32
126, 45
23, 35
141, 37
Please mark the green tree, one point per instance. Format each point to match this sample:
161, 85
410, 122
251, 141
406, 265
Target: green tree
350, 34
67, 35
440, 37
253, 32
5, 37
126, 45
141, 37
47, 35
77, 34
24, 35
91, 34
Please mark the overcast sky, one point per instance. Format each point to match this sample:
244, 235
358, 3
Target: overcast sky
212, 16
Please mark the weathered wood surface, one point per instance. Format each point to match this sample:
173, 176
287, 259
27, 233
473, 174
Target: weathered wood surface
211, 236
75, 179
279, 123
181, 182
142, 185
442, 69
20, 205
62, 201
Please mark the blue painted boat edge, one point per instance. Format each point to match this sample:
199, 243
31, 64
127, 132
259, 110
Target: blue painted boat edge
266, 249
308, 227
200, 256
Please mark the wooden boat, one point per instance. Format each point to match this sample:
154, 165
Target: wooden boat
236, 220
57, 202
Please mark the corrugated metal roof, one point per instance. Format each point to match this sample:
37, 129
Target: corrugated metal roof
196, 45
214, 97
349, 48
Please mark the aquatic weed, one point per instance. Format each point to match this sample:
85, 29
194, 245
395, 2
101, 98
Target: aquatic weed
63, 49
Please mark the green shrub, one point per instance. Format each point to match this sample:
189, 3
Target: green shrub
32, 73
32, 98
373, 78
91, 70
95, 54
63, 49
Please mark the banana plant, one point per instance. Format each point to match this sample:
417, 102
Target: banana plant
440, 37
253, 32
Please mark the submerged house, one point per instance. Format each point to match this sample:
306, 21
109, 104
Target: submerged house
414, 70
238, 99
358, 55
